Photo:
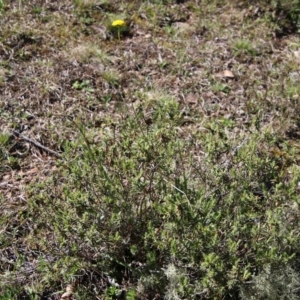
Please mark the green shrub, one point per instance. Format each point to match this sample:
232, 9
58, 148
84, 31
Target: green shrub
137, 201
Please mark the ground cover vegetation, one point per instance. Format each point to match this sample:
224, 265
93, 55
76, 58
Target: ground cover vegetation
154, 161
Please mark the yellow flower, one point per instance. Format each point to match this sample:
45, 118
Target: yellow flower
118, 23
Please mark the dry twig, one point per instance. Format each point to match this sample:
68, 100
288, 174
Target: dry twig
35, 143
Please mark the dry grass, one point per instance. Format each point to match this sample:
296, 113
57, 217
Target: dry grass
59, 66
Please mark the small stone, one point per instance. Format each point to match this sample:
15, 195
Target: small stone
228, 74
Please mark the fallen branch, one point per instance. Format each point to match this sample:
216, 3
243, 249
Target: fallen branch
37, 144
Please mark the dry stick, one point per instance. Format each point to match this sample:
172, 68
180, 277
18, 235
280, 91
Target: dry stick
37, 144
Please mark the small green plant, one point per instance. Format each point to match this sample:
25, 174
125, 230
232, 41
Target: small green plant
220, 87
241, 47
9, 293
32, 294
1, 5
37, 10
4, 139
293, 91
111, 76
112, 293
84, 85
131, 294
4, 153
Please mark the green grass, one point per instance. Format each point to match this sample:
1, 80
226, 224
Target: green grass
173, 181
